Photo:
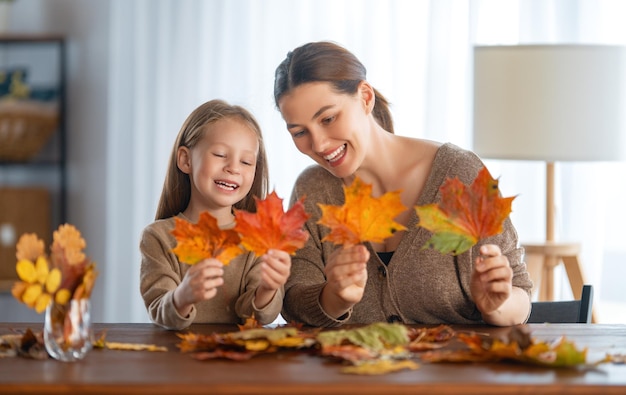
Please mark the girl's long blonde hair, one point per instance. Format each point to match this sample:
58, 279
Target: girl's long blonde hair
177, 186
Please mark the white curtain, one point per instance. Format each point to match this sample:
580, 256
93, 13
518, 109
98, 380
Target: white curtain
587, 204
169, 56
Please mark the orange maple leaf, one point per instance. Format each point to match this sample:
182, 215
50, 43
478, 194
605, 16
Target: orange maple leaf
271, 228
465, 214
362, 217
204, 240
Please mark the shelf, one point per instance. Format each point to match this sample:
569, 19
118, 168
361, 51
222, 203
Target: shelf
30, 38
33, 191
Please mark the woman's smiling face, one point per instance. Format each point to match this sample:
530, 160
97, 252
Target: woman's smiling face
328, 126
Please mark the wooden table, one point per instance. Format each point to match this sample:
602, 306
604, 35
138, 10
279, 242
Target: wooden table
172, 372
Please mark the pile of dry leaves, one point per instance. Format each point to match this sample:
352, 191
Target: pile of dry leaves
378, 348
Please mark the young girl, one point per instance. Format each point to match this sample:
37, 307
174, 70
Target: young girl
341, 122
217, 163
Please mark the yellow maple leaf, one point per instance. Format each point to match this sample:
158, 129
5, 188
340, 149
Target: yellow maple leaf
362, 217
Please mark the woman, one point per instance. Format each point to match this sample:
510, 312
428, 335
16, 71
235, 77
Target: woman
341, 122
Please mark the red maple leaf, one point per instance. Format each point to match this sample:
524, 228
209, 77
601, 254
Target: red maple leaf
271, 228
465, 214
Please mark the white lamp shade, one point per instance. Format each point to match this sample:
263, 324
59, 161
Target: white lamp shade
550, 102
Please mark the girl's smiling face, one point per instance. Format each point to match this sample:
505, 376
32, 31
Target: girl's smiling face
329, 127
221, 166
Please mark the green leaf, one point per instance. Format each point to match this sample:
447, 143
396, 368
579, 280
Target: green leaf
374, 337
449, 243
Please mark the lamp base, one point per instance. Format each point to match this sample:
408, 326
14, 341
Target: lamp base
542, 258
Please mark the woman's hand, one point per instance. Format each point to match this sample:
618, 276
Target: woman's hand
275, 269
346, 276
492, 279
492, 287
499, 302
200, 283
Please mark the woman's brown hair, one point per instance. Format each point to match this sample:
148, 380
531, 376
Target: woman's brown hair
325, 61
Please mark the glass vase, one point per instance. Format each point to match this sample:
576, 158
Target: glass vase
67, 330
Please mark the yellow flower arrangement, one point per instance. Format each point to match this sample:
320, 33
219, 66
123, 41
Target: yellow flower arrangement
64, 275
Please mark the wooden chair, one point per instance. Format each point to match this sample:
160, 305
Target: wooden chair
569, 311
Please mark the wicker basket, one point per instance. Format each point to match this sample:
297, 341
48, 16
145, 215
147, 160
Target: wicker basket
25, 127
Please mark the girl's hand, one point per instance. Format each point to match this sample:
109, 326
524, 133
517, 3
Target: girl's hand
275, 269
200, 283
346, 276
492, 279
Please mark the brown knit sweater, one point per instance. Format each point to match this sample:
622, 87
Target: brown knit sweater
418, 286
161, 272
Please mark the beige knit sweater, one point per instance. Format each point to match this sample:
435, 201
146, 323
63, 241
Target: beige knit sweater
419, 286
161, 272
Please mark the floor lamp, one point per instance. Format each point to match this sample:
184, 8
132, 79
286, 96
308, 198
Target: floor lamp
550, 103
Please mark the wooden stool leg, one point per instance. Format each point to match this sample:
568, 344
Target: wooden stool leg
550, 263
534, 265
575, 274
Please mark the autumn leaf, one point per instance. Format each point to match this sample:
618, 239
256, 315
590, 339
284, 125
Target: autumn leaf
29, 247
465, 214
562, 354
271, 228
422, 339
362, 217
68, 239
380, 338
518, 346
233, 355
270, 334
203, 240
380, 366
39, 283
245, 343
28, 345
101, 342
250, 323
197, 342
134, 347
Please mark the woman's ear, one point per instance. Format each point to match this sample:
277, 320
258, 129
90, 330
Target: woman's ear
367, 95
183, 159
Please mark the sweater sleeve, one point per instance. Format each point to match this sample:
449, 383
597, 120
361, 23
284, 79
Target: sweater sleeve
160, 275
307, 279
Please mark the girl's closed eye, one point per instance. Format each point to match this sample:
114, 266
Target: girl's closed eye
219, 154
